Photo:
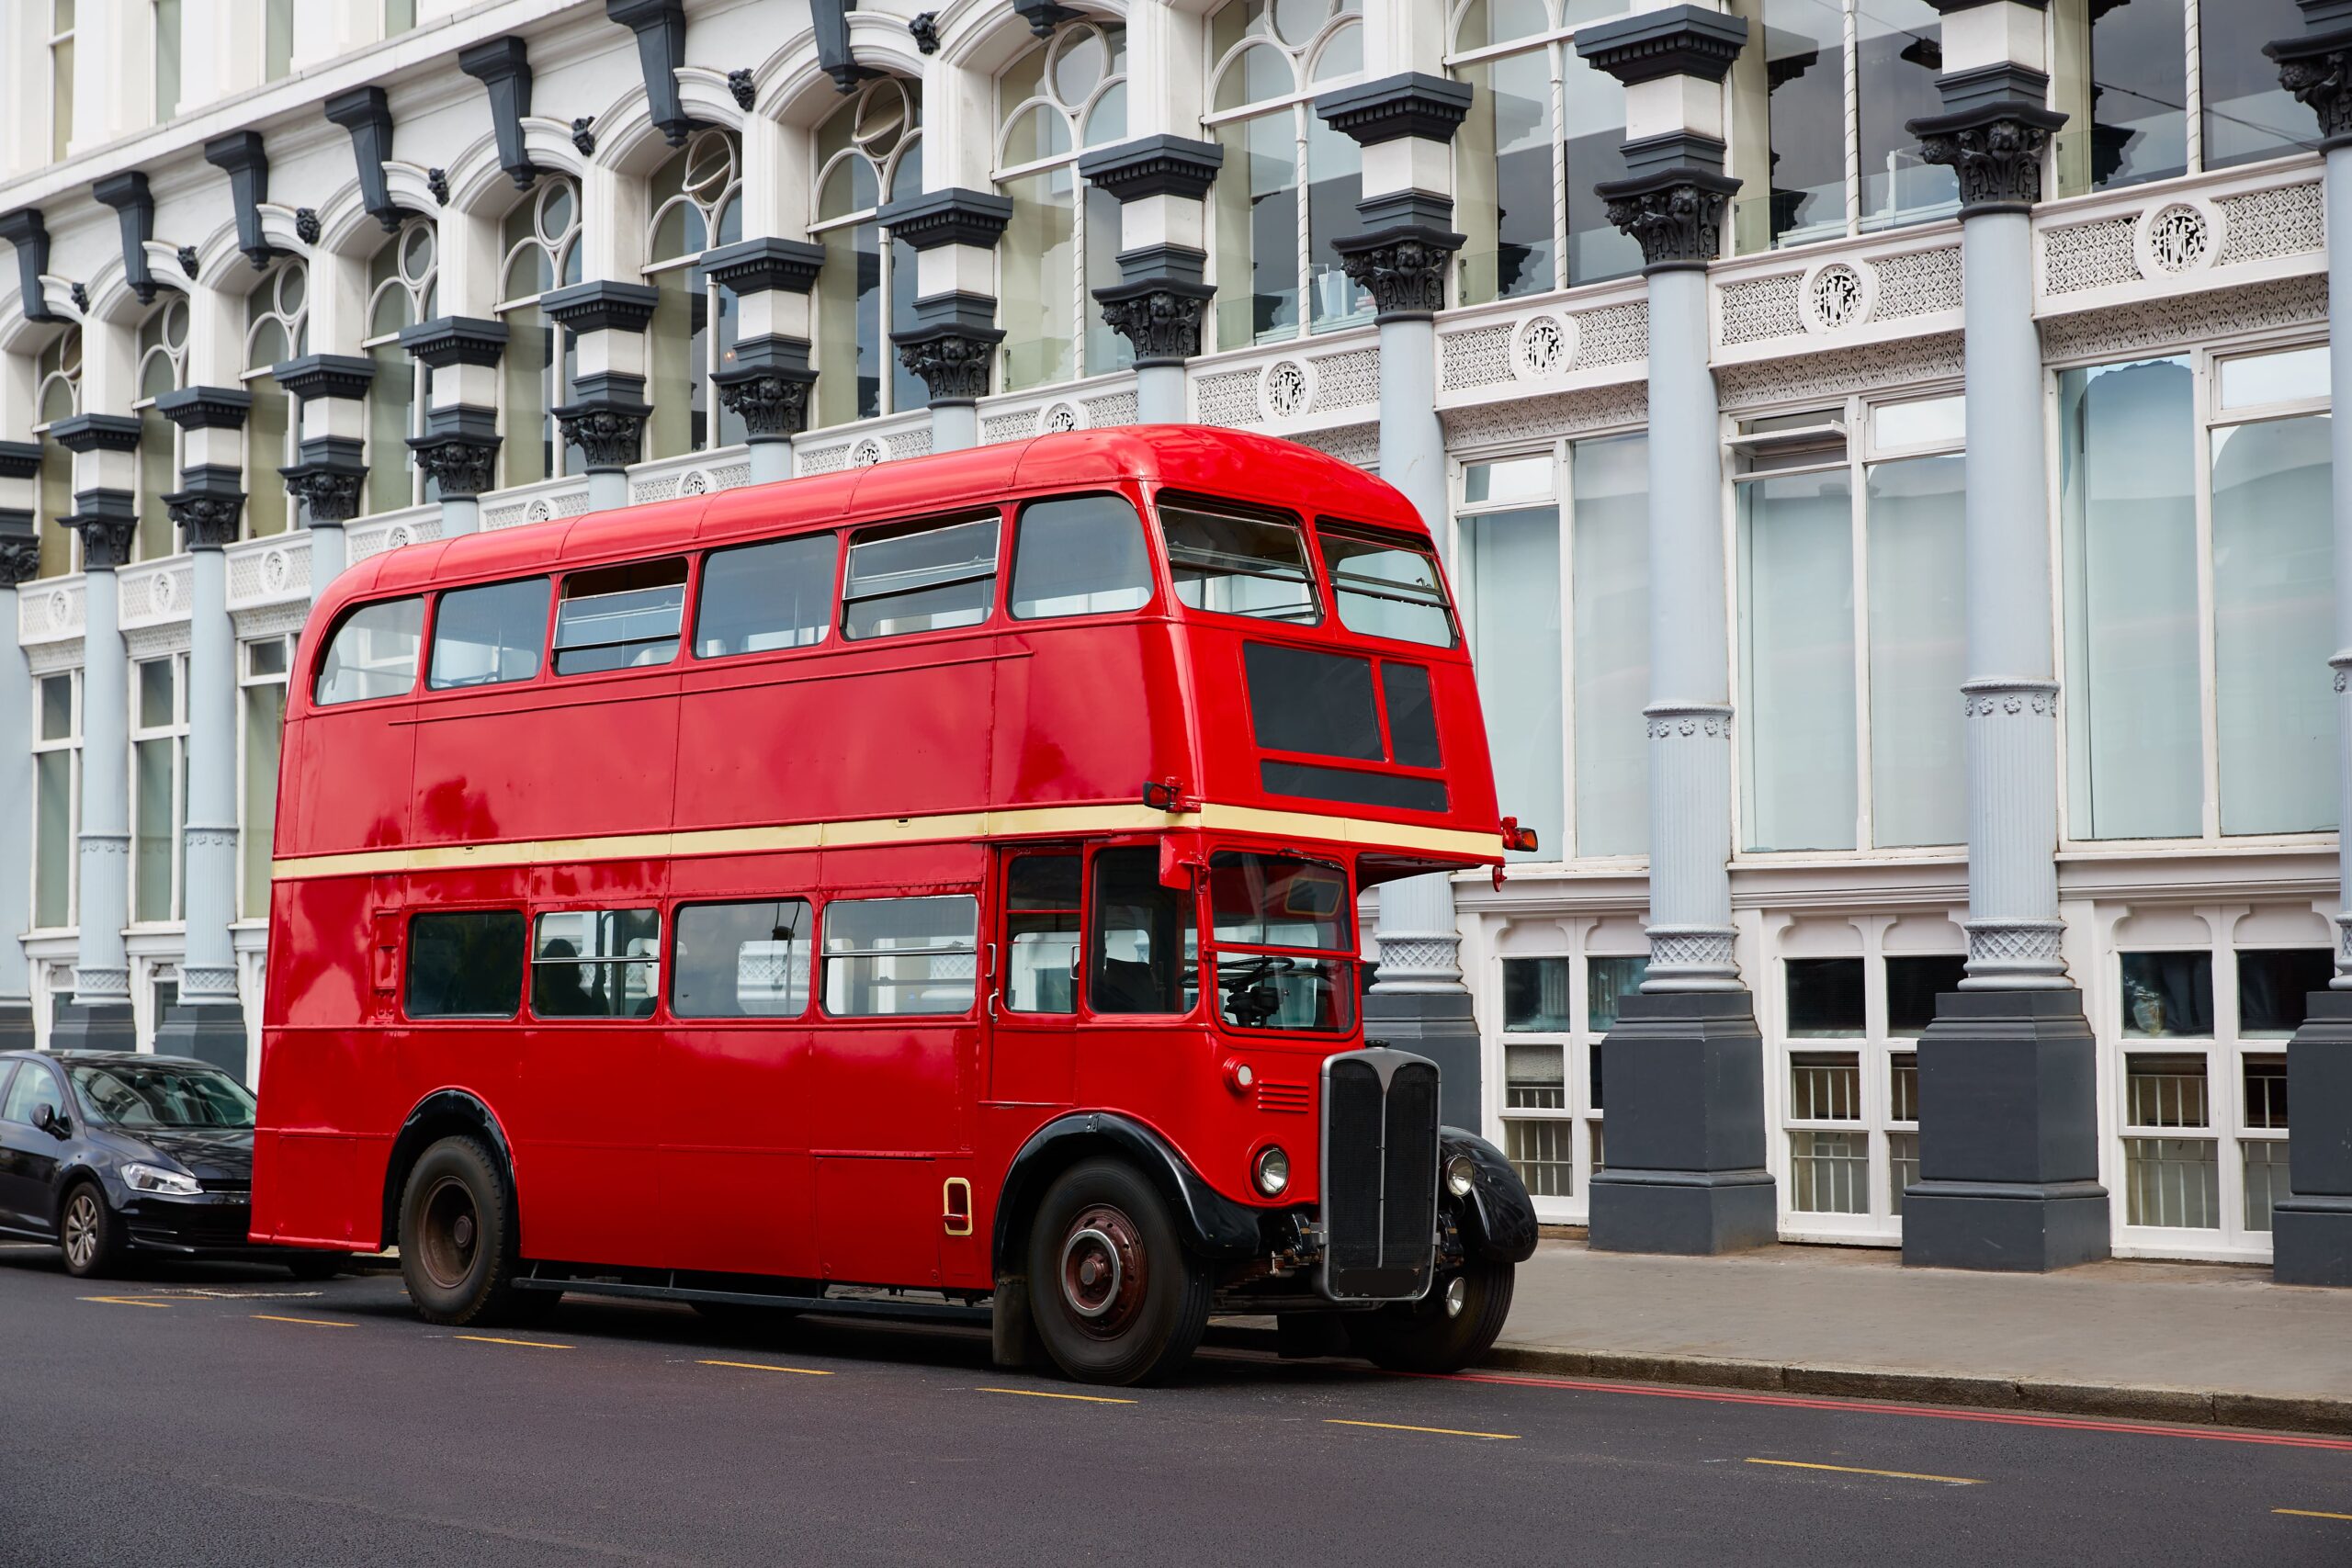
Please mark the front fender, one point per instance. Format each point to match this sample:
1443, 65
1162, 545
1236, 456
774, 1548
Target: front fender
1497, 1218
1213, 1225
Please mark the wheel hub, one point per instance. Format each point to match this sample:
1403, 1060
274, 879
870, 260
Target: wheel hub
81, 1231
447, 1233
1103, 1270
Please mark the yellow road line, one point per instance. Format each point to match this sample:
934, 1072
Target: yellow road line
494, 1339
126, 1302
1855, 1470
1437, 1431
312, 1322
765, 1367
2310, 1514
1041, 1394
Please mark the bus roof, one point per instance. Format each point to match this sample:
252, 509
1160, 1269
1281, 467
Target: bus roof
1230, 463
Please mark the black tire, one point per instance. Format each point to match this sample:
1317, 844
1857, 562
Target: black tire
458, 1233
1430, 1334
89, 1233
317, 1265
1103, 1240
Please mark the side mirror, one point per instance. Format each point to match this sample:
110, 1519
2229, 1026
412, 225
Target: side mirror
50, 1120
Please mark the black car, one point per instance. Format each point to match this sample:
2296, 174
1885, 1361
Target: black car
111, 1154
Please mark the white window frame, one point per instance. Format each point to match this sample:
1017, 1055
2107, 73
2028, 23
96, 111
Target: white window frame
715, 299
66, 372
420, 301
886, 170
294, 322
175, 734
70, 742
1588, 941
60, 132
560, 248
174, 356
246, 681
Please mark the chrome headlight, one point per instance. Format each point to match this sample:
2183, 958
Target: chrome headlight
1459, 1175
1271, 1170
155, 1178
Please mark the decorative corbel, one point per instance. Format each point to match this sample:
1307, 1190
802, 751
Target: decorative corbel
830, 18
661, 29
1044, 15
24, 230
365, 112
134, 207
242, 155
503, 67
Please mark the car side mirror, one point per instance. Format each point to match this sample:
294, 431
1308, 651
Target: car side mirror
50, 1120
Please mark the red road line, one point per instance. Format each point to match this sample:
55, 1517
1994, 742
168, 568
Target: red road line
1932, 1412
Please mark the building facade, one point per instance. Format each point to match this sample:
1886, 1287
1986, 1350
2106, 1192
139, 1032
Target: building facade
1851, 622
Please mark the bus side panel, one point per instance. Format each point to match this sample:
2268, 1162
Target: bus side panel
576, 761
1089, 717
319, 957
352, 786
736, 1176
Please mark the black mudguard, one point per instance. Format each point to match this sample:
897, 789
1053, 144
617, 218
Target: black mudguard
1213, 1225
1497, 1219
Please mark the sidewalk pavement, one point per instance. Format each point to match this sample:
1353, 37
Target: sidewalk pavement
2176, 1342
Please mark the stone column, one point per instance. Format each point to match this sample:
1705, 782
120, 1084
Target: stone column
19, 562
459, 451
1157, 304
2311, 1236
105, 448
209, 1020
954, 333
331, 467
1685, 1064
767, 385
2009, 1079
1405, 124
605, 418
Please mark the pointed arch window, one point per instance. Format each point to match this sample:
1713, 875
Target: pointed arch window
57, 394
868, 152
277, 327
698, 204
163, 368
1063, 242
403, 279
541, 237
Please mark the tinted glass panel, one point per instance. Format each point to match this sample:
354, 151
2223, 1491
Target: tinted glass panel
742, 960
1608, 982
596, 963
1913, 983
1040, 934
372, 654
620, 616
1319, 702
1238, 566
1412, 721
1146, 954
465, 964
1824, 995
1535, 996
922, 581
1278, 901
126, 1095
484, 636
766, 596
1383, 588
35, 1087
901, 955
1348, 787
2275, 986
2167, 994
1080, 557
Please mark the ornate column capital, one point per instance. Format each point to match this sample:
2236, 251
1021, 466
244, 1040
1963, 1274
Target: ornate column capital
20, 547
2317, 69
108, 521
327, 479
1995, 147
1675, 213
610, 436
767, 387
1159, 317
460, 456
950, 345
208, 506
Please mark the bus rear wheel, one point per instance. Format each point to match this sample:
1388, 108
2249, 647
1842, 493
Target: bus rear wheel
457, 1235
1445, 1331
1114, 1295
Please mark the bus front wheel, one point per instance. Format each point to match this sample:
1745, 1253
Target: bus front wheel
1445, 1331
1114, 1295
457, 1235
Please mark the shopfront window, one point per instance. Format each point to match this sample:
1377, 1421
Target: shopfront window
1064, 96
57, 796
697, 205
159, 785
277, 328
402, 290
541, 236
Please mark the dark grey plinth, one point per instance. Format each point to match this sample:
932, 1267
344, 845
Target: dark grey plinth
2311, 1234
92, 1026
16, 1026
1686, 1173
1441, 1026
211, 1032
2009, 1136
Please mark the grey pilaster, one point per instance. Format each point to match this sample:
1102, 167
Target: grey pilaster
605, 418
953, 337
2009, 1101
768, 385
19, 562
459, 451
1158, 303
2310, 1236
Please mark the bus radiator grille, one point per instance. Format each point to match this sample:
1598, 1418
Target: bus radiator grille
1379, 1175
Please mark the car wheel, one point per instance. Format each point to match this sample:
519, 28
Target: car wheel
459, 1234
89, 1233
316, 1266
1445, 1331
1115, 1296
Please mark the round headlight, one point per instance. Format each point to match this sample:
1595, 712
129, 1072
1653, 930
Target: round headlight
1271, 1170
1459, 1174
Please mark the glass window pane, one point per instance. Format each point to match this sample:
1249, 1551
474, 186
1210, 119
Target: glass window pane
53, 856
1238, 566
153, 845
2266, 1179
1804, 55
264, 717
372, 653
2247, 114
1609, 480
1509, 481
1279, 901
2265, 1089
848, 307
1913, 983
391, 400
766, 596
1038, 276
1388, 588
1512, 571
2253, 379
2167, 994
1829, 1172
1541, 1154
745, 960
1797, 641
1903, 1086
596, 963
1609, 982
2175, 1182
2139, 86
2274, 563
1825, 1085
167, 59
527, 453
1334, 185
1256, 196
482, 637
620, 617
1084, 555
1824, 995
1902, 1167
1898, 51
926, 580
1535, 1077
465, 964
157, 694
56, 707
1922, 421
1041, 928
1301, 700
901, 955
2275, 987
2127, 493
1535, 995
1594, 144
1502, 155
1146, 948
1105, 350
1407, 702
1919, 650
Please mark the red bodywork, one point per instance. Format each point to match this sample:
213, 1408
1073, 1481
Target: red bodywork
822, 1148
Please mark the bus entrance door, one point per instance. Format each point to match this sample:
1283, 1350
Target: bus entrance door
1032, 1006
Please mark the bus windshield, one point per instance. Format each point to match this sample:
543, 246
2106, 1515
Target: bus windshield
1272, 915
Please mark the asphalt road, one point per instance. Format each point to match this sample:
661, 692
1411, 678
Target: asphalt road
220, 1415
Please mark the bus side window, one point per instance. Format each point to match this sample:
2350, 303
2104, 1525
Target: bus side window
1146, 956
1083, 554
922, 580
372, 653
596, 963
465, 964
620, 617
742, 960
1040, 934
759, 597
901, 955
488, 635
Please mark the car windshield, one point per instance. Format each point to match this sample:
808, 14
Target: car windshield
1262, 902
126, 1095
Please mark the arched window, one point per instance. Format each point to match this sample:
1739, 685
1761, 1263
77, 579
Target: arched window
57, 394
277, 328
1512, 154
868, 152
542, 253
1065, 95
400, 292
698, 203
1290, 183
163, 368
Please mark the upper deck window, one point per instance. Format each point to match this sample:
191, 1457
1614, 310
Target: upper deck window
1081, 556
1238, 566
1388, 588
759, 597
620, 617
372, 653
486, 637
889, 956
924, 580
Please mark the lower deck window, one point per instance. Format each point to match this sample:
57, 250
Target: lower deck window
747, 960
596, 963
465, 964
885, 956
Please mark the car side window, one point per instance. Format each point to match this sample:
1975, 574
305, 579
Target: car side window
35, 1087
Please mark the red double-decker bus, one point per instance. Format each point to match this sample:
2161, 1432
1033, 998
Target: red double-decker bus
926, 889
